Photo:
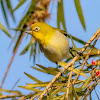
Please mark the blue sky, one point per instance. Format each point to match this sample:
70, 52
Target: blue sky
21, 64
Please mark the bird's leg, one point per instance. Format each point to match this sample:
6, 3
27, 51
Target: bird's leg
78, 52
57, 64
59, 68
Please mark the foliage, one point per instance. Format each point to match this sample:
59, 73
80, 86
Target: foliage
67, 82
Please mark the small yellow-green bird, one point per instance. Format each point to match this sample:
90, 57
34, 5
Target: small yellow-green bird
53, 42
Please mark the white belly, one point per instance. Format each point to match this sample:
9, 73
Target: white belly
58, 48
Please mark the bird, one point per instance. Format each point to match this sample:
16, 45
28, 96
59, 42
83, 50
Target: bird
52, 41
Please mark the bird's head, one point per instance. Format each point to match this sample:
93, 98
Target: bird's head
40, 31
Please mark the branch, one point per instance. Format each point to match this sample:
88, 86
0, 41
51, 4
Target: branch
86, 58
91, 89
69, 82
69, 64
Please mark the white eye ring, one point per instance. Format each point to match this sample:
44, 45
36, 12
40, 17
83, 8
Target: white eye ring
36, 29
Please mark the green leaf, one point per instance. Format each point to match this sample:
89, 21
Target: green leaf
20, 4
87, 82
80, 13
79, 84
28, 14
59, 97
26, 49
18, 41
41, 70
1, 94
22, 24
34, 51
60, 14
90, 97
33, 78
15, 84
75, 93
4, 30
10, 91
77, 39
31, 51
75, 70
29, 88
44, 84
78, 89
71, 36
72, 41
56, 91
8, 2
4, 12
48, 70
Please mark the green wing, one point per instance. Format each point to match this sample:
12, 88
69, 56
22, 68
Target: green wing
62, 31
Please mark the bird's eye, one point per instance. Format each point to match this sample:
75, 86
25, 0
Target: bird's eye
36, 29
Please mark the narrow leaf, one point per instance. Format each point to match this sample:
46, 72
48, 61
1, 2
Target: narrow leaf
31, 51
26, 49
22, 24
48, 70
75, 93
8, 2
20, 4
10, 91
63, 64
90, 97
80, 13
18, 41
77, 71
4, 30
57, 91
87, 82
4, 12
72, 41
44, 84
77, 39
28, 88
41, 70
15, 84
60, 15
33, 78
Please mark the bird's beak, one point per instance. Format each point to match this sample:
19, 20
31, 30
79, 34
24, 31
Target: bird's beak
29, 32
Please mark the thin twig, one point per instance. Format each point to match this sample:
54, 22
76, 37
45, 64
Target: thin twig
63, 98
12, 58
56, 77
86, 58
97, 36
32, 98
26, 96
69, 82
91, 89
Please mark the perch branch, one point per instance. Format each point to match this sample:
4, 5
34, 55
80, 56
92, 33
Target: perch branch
69, 64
